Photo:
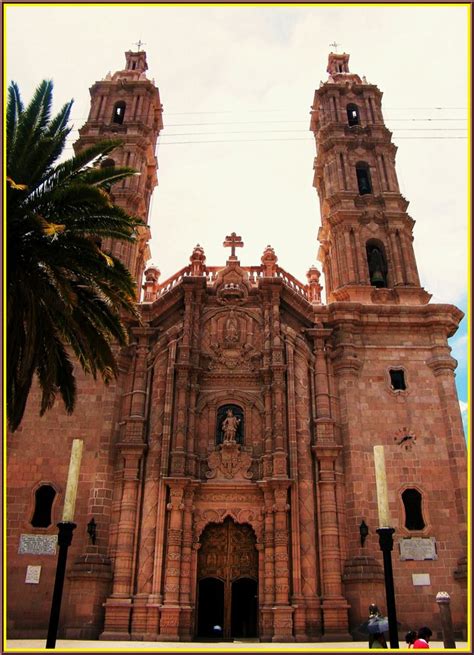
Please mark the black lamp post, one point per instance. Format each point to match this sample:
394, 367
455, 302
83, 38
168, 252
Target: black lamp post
64, 541
386, 542
66, 528
386, 546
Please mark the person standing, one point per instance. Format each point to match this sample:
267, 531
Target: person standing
376, 638
410, 638
424, 635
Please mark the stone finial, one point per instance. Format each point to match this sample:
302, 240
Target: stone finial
443, 597
151, 285
314, 288
197, 260
269, 260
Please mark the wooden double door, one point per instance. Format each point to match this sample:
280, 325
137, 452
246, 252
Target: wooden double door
227, 582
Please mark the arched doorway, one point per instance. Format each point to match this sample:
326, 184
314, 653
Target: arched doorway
227, 580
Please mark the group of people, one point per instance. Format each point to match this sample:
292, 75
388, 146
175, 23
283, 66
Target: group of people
377, 625
418, 639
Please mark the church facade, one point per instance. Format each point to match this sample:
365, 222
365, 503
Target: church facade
228, 485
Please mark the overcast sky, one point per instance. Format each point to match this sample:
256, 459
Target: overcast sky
237, 84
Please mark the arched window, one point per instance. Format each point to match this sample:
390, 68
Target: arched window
377, 264
230, 424
412, 501
44, 497
353, 117
119, 112
363, 178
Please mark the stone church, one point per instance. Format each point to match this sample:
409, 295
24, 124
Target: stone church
228, 473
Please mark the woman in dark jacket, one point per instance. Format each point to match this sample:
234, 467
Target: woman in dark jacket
376, 639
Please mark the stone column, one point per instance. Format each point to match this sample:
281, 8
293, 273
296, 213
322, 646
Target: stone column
268, 572
145, 606
306, 500
334, 605
397, 274
283, 619
156, 596
296, 597
170, 612
132, 447
118, 606
443, 367
351, 264
178, 454
361, 257
326, 450
187, 613
444, 603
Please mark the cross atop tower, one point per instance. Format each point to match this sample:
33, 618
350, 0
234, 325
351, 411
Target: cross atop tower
334, 45
139, 44
233, 241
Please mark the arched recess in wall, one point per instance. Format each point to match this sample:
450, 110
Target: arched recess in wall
353, 114
377, 263
118, 113
44, 497
412, 500
364, 181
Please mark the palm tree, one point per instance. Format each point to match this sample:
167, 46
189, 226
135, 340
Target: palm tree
65, 294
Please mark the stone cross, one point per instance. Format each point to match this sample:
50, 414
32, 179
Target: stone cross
139, 44
334, 45
233, 242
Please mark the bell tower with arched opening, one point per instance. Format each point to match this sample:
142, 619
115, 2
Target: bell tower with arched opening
126, 106
366, 234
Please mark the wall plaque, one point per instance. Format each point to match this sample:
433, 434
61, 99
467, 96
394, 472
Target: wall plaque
38, 544
33, 574
421, 579
418, 548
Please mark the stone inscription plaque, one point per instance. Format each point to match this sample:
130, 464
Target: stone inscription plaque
38, 544
418, 548
33, 574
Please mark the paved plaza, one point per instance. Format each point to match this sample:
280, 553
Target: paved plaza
247, 646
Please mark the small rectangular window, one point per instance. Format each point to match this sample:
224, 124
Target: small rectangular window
397, 380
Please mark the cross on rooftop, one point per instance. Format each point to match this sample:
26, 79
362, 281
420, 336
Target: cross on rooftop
139, 44
334, 45
233, 242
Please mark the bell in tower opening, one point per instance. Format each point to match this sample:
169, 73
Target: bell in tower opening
377, 266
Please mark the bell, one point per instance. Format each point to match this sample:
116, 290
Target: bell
377, 279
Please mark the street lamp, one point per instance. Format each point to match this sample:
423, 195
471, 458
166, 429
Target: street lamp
386, 543
66, 528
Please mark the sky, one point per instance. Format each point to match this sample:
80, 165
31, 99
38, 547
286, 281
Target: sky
237, 84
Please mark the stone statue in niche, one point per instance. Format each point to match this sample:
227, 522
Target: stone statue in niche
229, 427
230, 419
228, 461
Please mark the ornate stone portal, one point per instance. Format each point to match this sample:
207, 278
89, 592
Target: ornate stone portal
227, 581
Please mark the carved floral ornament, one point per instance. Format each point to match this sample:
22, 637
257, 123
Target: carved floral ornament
229, 462
228, 344
203, 517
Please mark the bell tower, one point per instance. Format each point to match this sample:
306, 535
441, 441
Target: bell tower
366, 242
126, 106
